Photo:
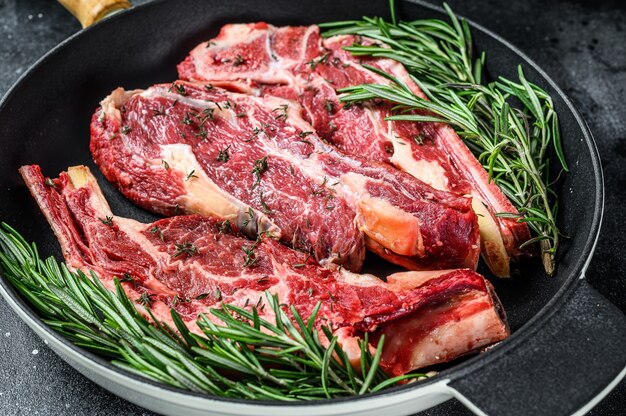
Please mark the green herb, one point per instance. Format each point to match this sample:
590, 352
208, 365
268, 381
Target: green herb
145, 299
126, 277
125, 130
217, 104
223, 156
165, 164
157, 231
238, 60
264, 206
201, 133
206, 114
241, 115
329, 105
282, 112
225, 227
255, 132
202, 296
321, 60
512, 141
250, 256
158, 111
419, 138
185, 248
303, 134
49, 182
208, 87
191, 174
107, 221
179, 88
260, 166
250, 213
187, 119
320, 188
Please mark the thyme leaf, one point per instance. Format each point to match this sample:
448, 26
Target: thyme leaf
264, 206
225, 227
260, 166
223, 156
250, 257
157, 231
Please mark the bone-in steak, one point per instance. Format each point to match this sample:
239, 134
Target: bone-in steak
313, 71
194, 148
192, 263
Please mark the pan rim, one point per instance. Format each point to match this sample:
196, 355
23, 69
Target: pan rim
520, 335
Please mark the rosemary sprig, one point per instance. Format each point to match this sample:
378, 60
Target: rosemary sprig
511, 141
246, 357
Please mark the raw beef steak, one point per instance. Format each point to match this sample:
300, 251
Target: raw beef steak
297, 64
193, 263
191, 148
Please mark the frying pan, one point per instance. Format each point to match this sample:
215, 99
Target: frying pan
567, 347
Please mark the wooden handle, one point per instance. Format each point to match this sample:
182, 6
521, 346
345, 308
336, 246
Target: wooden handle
89, 12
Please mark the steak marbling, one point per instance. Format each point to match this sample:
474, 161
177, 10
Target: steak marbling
194, 148
427, 317
296, 63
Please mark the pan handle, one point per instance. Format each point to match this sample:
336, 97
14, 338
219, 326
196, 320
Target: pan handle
563, 365
89, 12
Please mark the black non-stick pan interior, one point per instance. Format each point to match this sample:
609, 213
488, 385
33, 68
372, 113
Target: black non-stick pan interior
45, 118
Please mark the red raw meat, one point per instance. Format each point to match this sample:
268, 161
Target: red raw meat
427, 317
191, 148
313, 72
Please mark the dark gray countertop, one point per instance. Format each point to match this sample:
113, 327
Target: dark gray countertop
580, 44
